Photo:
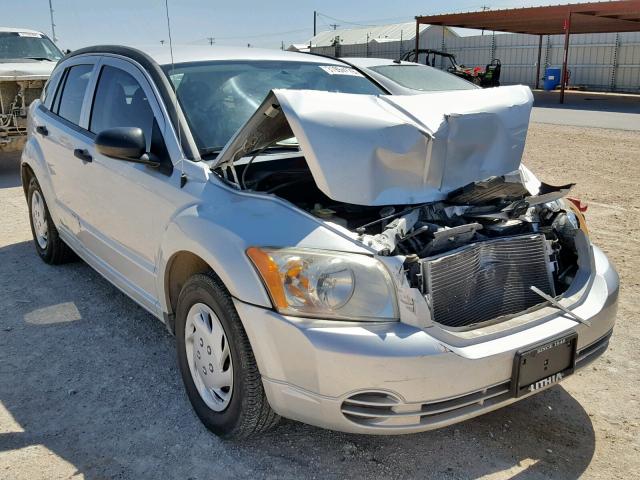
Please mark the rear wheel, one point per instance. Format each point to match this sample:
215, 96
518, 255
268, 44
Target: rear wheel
217, 364
48, 243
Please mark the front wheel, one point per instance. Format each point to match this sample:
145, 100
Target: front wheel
217, 364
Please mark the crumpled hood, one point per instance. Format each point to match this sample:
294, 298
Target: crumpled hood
381, 150
32, 70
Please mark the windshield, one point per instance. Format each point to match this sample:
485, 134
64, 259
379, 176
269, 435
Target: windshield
219, 97
422, 78
19, 45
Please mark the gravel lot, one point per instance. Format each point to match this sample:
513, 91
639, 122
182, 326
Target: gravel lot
89, 385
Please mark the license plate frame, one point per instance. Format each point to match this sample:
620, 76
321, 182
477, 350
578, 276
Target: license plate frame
539, 366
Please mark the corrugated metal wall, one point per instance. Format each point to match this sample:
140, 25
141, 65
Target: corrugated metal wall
604, 61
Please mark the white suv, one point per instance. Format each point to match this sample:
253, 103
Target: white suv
27, 58
322, 250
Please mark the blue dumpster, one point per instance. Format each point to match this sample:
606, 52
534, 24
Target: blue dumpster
552, 78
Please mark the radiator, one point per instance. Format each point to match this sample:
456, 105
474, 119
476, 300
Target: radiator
486, 280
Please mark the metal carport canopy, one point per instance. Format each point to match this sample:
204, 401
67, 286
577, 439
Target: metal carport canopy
593, 17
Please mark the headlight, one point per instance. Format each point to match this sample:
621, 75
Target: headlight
578, 209
574, 213
315, 283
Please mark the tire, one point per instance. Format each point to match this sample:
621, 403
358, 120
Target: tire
46, 239
242, 410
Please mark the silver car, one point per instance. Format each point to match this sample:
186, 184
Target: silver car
322, 250
408, 78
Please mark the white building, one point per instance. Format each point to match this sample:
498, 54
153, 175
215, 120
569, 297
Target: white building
598, 61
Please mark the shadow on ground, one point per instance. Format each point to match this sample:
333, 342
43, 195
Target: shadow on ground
574, 100
91, 376
9, 170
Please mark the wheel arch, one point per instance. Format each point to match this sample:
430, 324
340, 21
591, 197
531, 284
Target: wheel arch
34, 165
181, 266
193, 240
26, 174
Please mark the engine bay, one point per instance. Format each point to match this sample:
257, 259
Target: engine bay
498, 207
488, 251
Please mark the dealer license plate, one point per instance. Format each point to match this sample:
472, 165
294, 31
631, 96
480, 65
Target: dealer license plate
546, 364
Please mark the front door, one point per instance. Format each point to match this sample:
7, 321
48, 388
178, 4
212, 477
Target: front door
129, 204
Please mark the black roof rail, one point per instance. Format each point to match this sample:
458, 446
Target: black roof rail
159, 77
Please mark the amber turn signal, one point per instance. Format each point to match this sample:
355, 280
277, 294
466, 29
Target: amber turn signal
268, 270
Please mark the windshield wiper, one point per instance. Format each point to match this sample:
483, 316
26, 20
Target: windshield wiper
276, 147
209, 152
40, 58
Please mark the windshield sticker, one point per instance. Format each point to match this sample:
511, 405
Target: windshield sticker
336, 70
29, 34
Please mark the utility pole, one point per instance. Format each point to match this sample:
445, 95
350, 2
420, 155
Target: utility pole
212, 40
282, 45
315, 16
334, 25
53, 25
161, 42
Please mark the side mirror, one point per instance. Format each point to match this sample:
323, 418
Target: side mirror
125, 143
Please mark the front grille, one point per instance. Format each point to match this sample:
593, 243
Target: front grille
486, 280
382, 409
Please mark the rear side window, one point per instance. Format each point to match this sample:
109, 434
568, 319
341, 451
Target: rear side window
69, 104
120, 101
50, 88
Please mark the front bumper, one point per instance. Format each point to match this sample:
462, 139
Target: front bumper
390, 378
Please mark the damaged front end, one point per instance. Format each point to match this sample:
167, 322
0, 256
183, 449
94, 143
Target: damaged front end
476, 255
16, 94
431, 184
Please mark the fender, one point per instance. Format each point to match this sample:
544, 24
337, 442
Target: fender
190, 232
225, 222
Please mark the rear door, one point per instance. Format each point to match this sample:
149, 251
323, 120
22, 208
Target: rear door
63, 138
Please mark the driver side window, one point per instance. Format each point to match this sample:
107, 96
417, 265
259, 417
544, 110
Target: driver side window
120, 101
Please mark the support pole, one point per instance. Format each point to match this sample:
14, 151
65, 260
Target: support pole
565, 58
53, 25
539, 60
417, 39
315, 15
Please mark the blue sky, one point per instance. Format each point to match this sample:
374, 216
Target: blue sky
237, 22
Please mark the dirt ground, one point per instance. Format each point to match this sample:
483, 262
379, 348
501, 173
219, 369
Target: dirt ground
89, 385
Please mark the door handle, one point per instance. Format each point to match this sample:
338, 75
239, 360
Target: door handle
82, 155
42, 130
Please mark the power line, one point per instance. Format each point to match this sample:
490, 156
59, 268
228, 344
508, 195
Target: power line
361, 23
262, 35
